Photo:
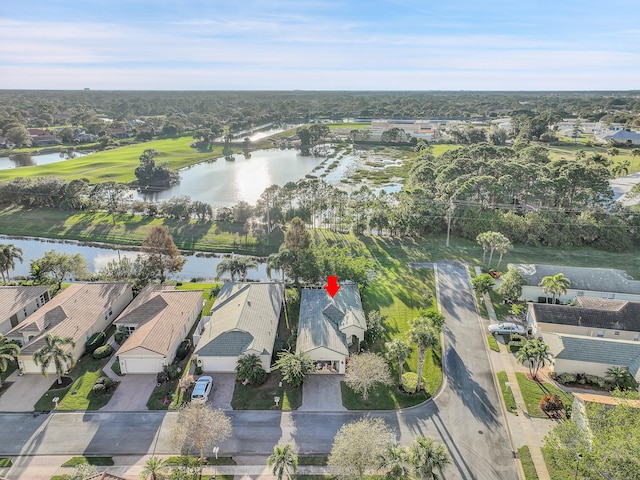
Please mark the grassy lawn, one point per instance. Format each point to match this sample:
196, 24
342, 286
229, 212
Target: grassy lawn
170, 391
380, 398
78, 396
261, 397
118, 164
317, 460
97, 461
206, 294
6, 462
557, 471
12, 366
493, 343
532, 392
132, 230
527, 463
507, 394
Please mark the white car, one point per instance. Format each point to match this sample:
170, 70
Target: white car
506, 328
202, 389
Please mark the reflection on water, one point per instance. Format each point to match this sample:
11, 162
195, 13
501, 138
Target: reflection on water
223, 183
25, 160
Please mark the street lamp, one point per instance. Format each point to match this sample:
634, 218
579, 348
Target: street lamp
577, 466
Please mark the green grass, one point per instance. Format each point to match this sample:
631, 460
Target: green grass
115, 366
97, 461
78, 396
131, 230
563, 471
350, 125
170, 390
532, 392
261, 397
6, 462
118, 164
380, 398
493, 343
507, 394
12, 366
175, 460
527, 463
315, 460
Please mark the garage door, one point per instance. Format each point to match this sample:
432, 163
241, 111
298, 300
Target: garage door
140, 364
218, 364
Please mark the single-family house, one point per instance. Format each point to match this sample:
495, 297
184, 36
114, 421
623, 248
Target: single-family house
45, 141
620, 136
77, 312
17, 303
588, 282
244, 320
329, 326
158, 320
591, 355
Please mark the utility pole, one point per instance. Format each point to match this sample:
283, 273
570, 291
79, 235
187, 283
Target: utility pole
449, 221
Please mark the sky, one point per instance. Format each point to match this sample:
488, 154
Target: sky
320, 45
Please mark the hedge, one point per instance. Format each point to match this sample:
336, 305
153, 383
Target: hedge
95, 341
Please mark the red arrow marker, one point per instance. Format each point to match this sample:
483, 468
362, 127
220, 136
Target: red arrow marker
332, 286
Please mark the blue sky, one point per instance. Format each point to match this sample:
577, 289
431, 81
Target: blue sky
320, 45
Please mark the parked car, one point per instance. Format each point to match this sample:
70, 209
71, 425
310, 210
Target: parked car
506, 328
202, 389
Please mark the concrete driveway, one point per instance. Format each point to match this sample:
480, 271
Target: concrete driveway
222, 390
321, 393
132, 394
24, 392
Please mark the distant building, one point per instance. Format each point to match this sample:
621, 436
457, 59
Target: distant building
620, 136
415, 128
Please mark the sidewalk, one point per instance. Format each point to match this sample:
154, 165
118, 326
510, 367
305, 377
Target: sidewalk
524, 429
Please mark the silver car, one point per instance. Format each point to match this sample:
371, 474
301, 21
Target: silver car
506, 328
202, 389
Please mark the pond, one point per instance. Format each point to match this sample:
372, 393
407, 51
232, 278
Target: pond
26, 160
97, 258
225, 183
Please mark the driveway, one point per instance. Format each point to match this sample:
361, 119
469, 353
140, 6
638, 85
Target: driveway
23, 392
222, 390
132, 394
321, 393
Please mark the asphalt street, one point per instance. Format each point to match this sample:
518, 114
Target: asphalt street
465, 415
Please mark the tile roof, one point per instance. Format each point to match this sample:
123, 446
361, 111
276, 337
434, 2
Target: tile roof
322, 318
624, 353
158, 312
592, 279
601, 313
244, 317
13, 299
70, 313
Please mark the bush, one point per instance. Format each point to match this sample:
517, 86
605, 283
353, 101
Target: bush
198, 370
410, 382
103, 352
100, 380
551, 405
95, 341
109, 384
99, 389
565, 378
122, 333
515, 342
596, 381
183, 349
174, 370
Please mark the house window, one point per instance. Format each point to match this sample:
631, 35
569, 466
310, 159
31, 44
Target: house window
611, 296
600, 333
24, 310
110, 311
580, 294
130, 329
636, 338
617, 332
106, 315
42, 300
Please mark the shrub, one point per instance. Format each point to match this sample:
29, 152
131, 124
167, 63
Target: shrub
162, 377
595, 380
198, 370
100, 380
103, 352
409, 382
174, 370
109, 384
95, 341
183, 349
551, 405
567, 378
99, 389
122, 333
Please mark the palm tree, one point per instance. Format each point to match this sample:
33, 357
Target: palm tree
394, 462
424, 335
249, 368
535, 354
398, 349
634, 153
277, 261
8, 353
428, 458
555, 284
154, 469
228, 265
621, 378
283, 462
8, 256
54, 351
502, 248
244, 264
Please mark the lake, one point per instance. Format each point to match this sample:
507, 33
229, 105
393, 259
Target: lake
225, 183
26, 160
97, 258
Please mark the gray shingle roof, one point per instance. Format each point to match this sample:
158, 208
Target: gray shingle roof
609, 314
594, 350
244, 317
13, 299
323, 317
593, 279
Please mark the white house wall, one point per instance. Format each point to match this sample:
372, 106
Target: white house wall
586, 331
141, 364
531, 293
218, 364
573, 366
30, 307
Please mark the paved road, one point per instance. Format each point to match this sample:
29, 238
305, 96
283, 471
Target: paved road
465, 415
